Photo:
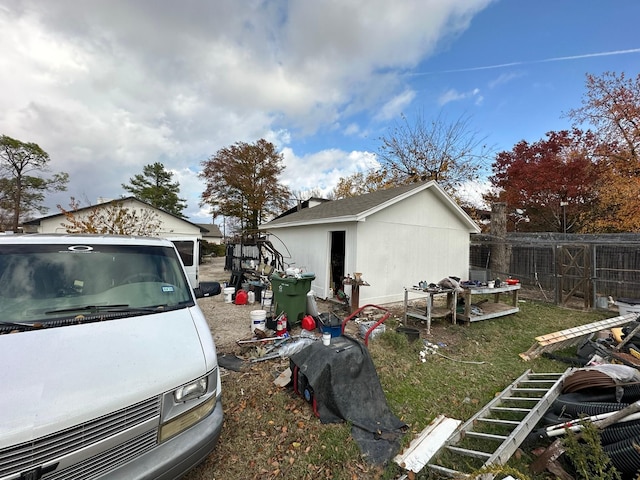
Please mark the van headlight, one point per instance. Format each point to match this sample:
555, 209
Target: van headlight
186, 420
187, 405
193, 390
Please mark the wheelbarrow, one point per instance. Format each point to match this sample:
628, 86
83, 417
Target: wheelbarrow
372, 327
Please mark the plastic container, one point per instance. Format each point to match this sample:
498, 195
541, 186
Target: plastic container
330, 323
412, 334
290, 295
241, 297
267, 298
258, 320
312, 306
628, 305
251, 299
228, 294
308, 323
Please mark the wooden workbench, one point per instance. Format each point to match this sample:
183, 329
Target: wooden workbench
491, 309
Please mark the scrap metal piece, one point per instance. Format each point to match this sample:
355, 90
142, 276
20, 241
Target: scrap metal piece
573, 336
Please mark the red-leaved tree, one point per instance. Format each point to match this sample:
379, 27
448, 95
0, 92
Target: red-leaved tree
550, 183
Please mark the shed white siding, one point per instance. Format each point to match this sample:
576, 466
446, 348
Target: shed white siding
310, 248
418, 234
417, 239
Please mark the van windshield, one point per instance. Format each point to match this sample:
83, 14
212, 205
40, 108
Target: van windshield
40, 283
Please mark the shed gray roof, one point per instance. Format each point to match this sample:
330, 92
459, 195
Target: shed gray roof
357, 208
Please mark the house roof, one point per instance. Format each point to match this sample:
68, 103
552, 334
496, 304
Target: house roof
210, 229
36, 221
359, 208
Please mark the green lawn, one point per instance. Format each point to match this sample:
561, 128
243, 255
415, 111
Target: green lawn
482, 360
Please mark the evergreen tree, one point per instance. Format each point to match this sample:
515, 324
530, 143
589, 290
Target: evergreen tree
22, 186
154, 186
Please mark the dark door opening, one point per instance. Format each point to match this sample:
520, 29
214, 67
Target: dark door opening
337, 260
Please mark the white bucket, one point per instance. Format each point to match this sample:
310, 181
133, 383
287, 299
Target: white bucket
267, 297
228, 294
258, 320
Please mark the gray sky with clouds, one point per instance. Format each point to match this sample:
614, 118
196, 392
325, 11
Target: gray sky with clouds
108, 86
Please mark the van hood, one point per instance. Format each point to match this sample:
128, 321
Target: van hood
64, 376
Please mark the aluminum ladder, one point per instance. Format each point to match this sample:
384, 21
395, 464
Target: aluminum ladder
493, 434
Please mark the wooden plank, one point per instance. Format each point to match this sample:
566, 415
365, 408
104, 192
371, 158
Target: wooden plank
572, 336
423, 447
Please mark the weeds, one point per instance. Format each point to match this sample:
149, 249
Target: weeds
584, 451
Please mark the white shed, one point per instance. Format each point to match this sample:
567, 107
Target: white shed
395, 238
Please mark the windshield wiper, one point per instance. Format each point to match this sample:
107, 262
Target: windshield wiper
105, 309
21, 324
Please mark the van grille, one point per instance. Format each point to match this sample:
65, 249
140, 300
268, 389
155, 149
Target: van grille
106, 461
19, 458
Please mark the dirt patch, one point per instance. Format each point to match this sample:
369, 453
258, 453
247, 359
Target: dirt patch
229, 322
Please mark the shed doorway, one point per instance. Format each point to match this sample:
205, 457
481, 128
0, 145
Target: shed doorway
336, 267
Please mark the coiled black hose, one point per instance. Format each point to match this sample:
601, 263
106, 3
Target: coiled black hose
620, 431
623, 455
631, 393
567, 405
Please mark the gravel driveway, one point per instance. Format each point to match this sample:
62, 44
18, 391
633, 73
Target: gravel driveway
229, 322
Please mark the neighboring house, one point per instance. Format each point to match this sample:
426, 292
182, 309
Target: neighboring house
395, 238
169, 224
212, 233
184, 234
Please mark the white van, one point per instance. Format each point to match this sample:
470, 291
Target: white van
109, 370
189, 250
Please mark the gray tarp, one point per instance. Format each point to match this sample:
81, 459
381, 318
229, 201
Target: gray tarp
346, 387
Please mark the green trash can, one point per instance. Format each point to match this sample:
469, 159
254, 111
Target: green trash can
290, 295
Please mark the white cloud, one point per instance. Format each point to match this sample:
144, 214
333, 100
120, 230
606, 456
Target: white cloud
108, 86
395, 106
452, 95
324, 169
505, 78
472, 192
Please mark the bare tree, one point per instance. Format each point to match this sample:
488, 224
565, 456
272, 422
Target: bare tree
451, 153
114, 218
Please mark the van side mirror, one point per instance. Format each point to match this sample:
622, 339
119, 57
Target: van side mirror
207, 289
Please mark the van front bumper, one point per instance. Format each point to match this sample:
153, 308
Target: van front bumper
175, 457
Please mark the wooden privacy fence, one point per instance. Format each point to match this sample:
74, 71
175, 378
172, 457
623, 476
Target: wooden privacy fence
563, 267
